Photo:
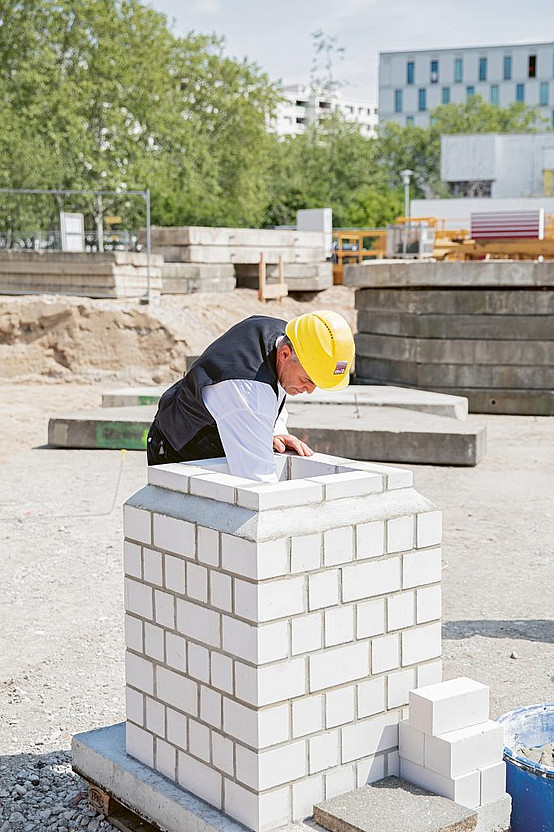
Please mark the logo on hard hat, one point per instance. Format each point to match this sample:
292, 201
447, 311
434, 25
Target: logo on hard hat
340, 369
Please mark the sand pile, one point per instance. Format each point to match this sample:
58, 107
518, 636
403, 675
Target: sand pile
55, 338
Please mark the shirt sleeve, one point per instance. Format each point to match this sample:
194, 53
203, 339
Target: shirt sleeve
245, 412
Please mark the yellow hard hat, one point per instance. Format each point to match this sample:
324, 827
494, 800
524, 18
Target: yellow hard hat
324, 345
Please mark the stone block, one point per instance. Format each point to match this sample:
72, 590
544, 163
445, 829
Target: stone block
493, 782
465, 790
461, 751
448, 706
421, 643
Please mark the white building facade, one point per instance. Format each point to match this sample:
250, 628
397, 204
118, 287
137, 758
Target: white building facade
412, 84
499, 165
303, 108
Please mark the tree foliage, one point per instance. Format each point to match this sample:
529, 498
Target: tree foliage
102, 94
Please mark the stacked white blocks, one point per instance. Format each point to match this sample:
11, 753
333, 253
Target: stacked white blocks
274, 631
450, 747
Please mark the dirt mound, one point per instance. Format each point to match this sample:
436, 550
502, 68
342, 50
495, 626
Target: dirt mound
65, 338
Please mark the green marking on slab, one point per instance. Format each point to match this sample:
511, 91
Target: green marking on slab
148, 399
128, 435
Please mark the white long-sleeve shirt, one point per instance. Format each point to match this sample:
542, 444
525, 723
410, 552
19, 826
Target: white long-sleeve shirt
245, 413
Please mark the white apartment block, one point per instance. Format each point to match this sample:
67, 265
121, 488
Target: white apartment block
303, 108
412, 84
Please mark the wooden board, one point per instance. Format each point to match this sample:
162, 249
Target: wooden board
118, 815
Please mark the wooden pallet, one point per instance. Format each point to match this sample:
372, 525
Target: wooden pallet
118, 815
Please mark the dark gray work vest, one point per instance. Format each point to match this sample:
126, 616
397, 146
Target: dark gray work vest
246, 351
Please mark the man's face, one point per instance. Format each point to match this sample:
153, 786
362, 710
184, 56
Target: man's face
291, 374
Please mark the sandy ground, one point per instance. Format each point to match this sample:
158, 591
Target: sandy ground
61, 644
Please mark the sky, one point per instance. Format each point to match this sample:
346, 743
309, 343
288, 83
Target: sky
276, 34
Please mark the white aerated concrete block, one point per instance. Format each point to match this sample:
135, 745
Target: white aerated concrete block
223, 753
199, 740
428, 604
339, 781
140, 744
350, 484
155, 717
137, 524
338, 546
138, 598
132, 559
221, 591
139, 673
339, 625
270, 600
493, 782
270, 684
370, 539
400, 611
133, 634
305, 794
411, 743
448, 706
166, 758
197, 622
421, 567
429, 529
307, 716
208, 546
279, 495
465, 790
338, 665
323, 589
164, 604
370, 770
340, 707
307, 633
421, 643
371, 697
174, 535
323, 751
465, 749
429, 673
175, 579
175, 689
222, 672
257, 561
176, 726
369, 736
175, 652
198, 663
134, 702
385, 653
370, 617
210, 706
399, 685
152, 566
400, 534
305, 553
258, 812
200, 778
366, 579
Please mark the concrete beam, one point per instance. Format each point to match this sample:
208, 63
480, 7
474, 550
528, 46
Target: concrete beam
490, 273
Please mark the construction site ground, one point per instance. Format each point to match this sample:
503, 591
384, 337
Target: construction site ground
61, 643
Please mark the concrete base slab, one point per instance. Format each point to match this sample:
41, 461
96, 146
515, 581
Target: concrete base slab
100, 757
495, 817
380, 434
393, 805
439, 404
387, 434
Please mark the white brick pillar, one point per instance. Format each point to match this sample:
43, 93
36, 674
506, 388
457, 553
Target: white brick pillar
274, 631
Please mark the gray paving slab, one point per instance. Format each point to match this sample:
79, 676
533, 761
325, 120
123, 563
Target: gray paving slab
440, 404
381, 434
388, 434
393, 805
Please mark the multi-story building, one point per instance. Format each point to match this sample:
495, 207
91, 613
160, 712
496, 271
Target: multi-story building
303, 108
412, 84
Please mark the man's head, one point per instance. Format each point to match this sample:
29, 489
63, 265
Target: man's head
322, 345
290, 372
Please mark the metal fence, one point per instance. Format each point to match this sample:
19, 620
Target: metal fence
52, 241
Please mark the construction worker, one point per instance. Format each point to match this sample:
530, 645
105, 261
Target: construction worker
231, 401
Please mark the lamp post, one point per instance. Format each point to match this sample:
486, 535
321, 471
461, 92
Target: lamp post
406, 176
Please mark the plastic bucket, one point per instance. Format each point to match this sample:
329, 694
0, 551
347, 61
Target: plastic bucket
530, 785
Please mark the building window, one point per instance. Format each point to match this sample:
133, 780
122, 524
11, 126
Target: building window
300, 103
507, 73
482, 69
434, 72
422, 100
446, 95
458, 70
470, 91
520, 92
398, 101
543, 94
475, 188
410, 72
409, 121
532, 66
494, 95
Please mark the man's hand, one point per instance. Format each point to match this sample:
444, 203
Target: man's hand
286, 442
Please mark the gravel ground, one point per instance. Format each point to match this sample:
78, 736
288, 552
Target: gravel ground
61, 647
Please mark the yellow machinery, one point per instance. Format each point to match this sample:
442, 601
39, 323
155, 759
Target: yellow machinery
357, 245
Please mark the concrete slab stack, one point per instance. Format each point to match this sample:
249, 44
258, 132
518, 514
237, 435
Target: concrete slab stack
216, 259
273, 631
450, 746
484, 330
109, 274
